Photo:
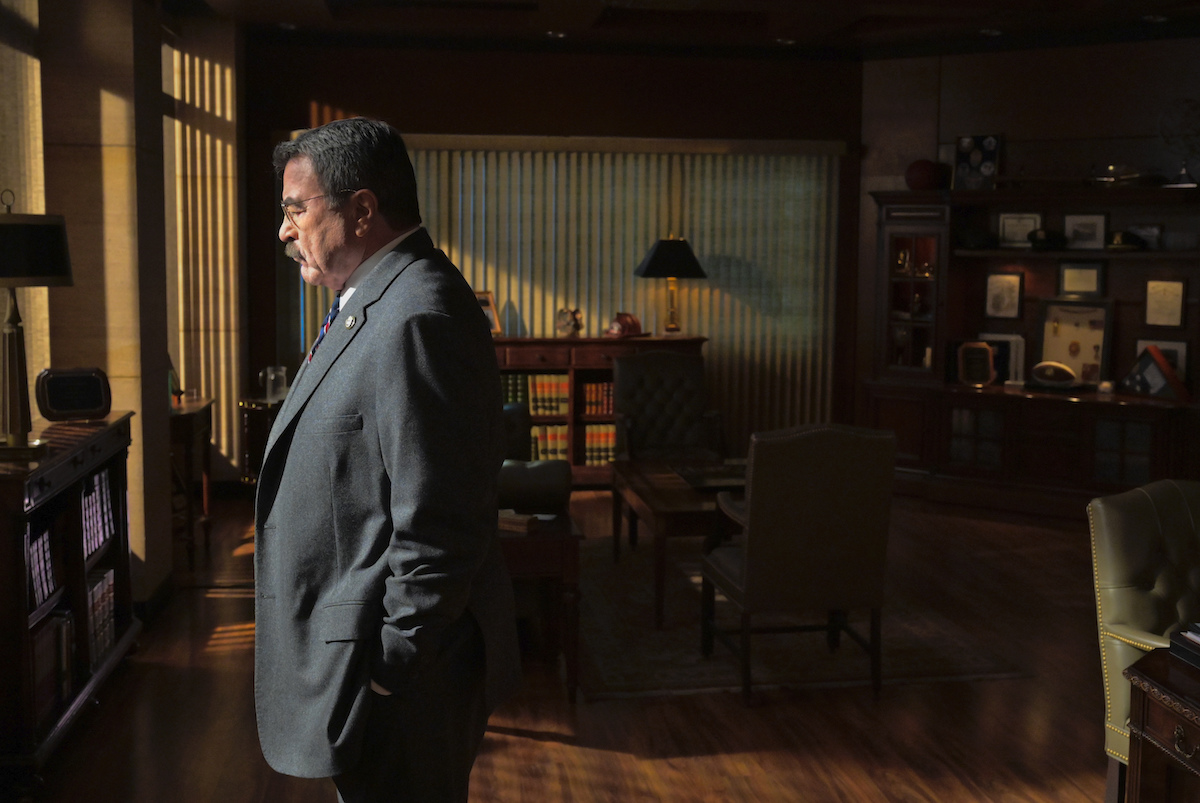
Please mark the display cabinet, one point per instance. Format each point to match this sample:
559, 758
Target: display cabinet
913, 245
941, 266
66, 608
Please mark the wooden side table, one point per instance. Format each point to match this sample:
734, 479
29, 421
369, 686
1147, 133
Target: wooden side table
191, 437
1164, 730
552, 553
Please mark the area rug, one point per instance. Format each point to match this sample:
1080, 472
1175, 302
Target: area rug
622, 655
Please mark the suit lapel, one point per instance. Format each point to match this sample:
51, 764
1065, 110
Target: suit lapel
339, 338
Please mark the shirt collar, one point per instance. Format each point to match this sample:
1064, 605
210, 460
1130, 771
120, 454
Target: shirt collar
369, 264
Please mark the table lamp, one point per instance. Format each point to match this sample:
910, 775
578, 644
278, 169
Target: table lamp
671, 259
33, 253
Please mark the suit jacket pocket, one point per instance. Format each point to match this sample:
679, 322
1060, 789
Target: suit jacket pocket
349, 621
331, 425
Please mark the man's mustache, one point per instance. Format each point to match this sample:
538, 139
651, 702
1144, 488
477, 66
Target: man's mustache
292, 250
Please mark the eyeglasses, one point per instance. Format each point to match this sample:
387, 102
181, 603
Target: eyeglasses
293, 208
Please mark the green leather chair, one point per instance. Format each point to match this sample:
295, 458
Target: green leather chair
1146, 569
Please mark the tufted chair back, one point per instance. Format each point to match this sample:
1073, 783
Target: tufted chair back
1146, 568
661, 408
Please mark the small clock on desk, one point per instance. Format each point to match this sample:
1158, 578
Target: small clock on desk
568, 322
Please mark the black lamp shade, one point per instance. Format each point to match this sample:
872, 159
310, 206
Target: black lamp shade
670, 259
33, 251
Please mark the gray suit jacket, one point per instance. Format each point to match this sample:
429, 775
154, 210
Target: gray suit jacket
375, 522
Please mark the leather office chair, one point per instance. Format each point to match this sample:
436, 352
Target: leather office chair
661, 408
1146, 571
814, 538
530, 486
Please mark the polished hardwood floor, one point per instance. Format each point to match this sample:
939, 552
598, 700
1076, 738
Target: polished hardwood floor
176, 723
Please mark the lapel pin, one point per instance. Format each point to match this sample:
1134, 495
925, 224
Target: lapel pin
350, 322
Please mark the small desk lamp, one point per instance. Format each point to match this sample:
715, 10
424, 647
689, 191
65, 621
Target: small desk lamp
671, 259
33, 253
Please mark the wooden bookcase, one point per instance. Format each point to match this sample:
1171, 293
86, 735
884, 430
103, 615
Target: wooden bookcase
577, 363
66, 607
936, 252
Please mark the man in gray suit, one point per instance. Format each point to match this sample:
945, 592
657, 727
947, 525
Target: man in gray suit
384, 616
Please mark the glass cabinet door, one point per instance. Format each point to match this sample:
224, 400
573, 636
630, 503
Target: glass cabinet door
913, 262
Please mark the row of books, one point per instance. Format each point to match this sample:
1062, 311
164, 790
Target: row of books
43, 580
99, 524
600, 444
549, 441
101, 621
598, 398
544, 394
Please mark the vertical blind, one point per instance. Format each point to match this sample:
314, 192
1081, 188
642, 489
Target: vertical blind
547, 223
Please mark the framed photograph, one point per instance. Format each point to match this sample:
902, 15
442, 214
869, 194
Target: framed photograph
1015, 228
487, 302
1164, 303
1084, 231
1081, 279
1004, 294
1174, 350
1077, 334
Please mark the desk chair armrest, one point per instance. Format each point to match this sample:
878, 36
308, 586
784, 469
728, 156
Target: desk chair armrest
1143, 640
535, 486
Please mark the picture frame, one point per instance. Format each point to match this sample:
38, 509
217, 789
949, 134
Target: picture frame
1081, 279
977, 161
1174, 350
487, 303
1015, 228
1085, 232
1164, 302
1005, 293
1077, 332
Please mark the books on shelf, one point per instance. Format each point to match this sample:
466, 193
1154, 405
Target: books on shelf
549, 442
97, 512
101, 623
42, 577
544, 394
600, 444
598, 398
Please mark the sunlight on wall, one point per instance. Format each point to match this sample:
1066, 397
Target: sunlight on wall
207, 340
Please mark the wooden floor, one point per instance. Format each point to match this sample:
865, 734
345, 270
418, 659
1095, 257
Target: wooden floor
176, 723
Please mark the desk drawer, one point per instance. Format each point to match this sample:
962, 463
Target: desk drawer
1177, 736
601, 357
546, 357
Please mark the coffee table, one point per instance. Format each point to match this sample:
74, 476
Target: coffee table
654, 492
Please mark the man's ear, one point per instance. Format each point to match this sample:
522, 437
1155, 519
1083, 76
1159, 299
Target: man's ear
364, 207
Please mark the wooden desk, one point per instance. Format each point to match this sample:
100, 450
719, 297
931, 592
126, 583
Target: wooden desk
652, 491
191, 437
552, 553
1164, 730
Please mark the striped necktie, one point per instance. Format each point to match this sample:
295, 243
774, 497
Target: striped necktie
333, 311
